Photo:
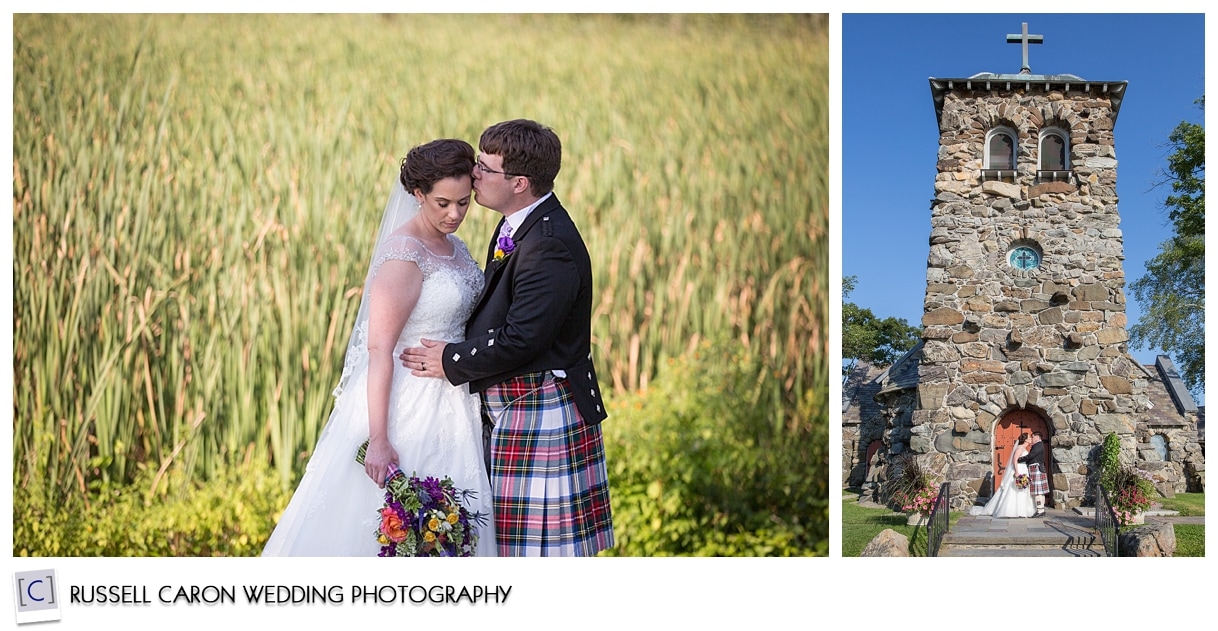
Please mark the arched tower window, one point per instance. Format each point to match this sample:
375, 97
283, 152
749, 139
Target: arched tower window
1000, 149
1054, 155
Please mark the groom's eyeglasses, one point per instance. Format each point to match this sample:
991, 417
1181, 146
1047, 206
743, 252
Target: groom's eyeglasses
485, 169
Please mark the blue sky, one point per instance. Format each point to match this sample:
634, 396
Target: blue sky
887, 60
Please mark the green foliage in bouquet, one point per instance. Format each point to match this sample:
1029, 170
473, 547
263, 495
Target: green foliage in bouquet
697, 468
232, 515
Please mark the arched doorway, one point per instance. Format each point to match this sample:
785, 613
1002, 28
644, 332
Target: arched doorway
873, 447
1008, 428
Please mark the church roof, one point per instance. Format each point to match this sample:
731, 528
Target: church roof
1115, 90
1170, 400
858, 393
1175, 385
903, 373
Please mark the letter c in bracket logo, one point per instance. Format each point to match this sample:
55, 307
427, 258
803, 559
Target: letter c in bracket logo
36, 596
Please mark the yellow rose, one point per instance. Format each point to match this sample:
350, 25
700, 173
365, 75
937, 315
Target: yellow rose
434, 524
452, 518
429, 536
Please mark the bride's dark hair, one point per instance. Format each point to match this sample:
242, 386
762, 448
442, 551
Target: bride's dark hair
429, 163
1023, 438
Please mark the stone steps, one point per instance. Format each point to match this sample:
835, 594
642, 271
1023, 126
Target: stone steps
1020, 551
1075, 546
1057, 534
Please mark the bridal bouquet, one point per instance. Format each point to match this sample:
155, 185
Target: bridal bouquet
424, 517
1022, 481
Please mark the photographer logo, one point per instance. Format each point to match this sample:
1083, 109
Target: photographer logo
37, 596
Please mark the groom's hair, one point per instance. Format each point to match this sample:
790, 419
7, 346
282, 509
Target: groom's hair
528, 148
1038, 435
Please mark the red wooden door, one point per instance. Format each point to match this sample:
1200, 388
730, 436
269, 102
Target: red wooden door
1008, 429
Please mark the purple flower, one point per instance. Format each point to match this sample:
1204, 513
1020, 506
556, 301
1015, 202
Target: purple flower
503, 247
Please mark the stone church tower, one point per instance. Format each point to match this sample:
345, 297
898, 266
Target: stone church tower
1024, 324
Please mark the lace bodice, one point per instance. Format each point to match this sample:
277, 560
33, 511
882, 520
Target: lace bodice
451, 285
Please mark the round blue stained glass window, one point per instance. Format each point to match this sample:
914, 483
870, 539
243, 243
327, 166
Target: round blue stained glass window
1024, 258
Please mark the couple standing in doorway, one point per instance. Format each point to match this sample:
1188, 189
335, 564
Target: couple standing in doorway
1025, 484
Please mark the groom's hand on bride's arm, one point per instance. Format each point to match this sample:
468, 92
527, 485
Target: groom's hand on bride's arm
426, 360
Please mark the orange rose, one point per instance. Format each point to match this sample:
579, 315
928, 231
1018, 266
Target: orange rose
392, 526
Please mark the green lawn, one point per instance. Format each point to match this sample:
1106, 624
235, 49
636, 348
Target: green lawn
860, 525
1189, 504
1190, 540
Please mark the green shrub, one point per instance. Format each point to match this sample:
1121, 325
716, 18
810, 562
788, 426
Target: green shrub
1110, 462
699, 467
910, 480
232, 515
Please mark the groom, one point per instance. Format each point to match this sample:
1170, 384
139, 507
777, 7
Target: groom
1035, 459
528, 353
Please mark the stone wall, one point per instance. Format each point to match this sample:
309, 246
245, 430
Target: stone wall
1183, 470
1052, 340
895, 408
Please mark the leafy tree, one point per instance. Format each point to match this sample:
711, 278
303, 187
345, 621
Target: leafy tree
867, 337
1172, 293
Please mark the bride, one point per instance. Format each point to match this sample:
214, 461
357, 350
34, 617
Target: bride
1010, 500
421, 282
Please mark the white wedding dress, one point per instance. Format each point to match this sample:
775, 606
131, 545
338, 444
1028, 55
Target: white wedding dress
1009, 500
434, 426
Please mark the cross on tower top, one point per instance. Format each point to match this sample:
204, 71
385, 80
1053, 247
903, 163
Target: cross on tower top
1025, 39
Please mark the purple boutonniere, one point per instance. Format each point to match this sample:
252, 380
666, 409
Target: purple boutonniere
505, 246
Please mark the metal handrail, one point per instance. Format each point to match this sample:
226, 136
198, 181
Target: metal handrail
1106, 521
938, 524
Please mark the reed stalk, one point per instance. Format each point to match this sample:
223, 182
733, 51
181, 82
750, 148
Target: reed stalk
194, 198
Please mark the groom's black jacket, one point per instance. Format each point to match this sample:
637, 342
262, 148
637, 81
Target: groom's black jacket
1035, 455
534, 314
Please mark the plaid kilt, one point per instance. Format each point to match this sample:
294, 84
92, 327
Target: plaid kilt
547, 471
1040, 481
